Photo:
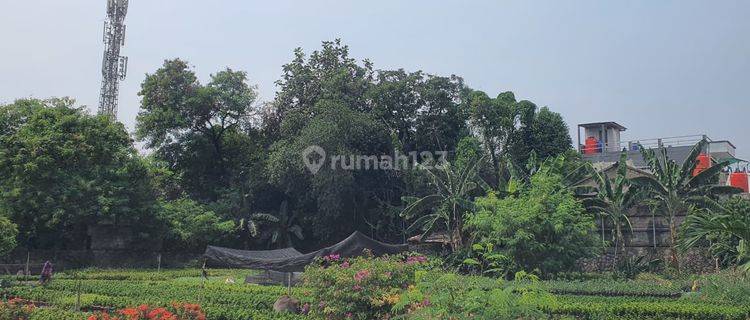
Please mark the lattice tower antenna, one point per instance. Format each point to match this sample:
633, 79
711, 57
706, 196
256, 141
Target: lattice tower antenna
114, 66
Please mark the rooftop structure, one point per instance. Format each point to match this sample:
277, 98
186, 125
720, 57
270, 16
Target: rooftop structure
601, 142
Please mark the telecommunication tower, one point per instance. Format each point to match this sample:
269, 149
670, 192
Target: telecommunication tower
114, 66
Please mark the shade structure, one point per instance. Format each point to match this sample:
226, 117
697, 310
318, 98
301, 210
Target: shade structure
291, 260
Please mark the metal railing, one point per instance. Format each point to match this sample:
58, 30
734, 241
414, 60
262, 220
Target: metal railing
632, 145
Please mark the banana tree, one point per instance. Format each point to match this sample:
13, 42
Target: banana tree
281, 228
446, 206
615, 197
674, 190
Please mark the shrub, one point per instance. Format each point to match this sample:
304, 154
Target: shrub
543, 227
144, 312
359, 288
15, 309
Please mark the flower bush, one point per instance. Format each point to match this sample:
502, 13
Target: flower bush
16, 309
359, 288
178, 311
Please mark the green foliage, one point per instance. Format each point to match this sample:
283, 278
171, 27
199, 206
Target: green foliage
445, 207
8, 234
542, 228
632, 266
514, 131
614, 199
450, 296
425, 112
218, 299
725, 287
335, 200
728, 232
280, 229
484, 260
359, 288
62, 170
597, 307
201, 131
672, 189
192, 226
639, 287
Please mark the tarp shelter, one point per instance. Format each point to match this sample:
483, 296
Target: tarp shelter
291, 260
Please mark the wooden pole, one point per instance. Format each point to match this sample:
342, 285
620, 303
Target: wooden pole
289, 283
158, 262
28, 257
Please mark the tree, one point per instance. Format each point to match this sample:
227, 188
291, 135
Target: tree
337, 198
62, 170
614, 199
515, 131
674, 190
445, 207
424, 112
727, 231
328, 74
543, 227
199, 130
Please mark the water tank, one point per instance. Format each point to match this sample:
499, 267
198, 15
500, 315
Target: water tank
704, 162
739, 180
592, 146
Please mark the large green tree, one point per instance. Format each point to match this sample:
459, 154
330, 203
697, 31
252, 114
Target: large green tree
202, 132
62, 170
516, 131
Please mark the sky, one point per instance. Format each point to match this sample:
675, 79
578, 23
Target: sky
660, 68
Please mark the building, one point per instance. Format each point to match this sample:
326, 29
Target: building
601, 143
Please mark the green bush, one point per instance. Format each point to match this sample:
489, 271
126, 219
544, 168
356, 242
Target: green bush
542, 227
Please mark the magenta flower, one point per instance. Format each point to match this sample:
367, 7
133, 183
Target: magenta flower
345, 265
361, 275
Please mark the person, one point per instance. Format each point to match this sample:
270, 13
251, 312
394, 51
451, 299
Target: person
46, 273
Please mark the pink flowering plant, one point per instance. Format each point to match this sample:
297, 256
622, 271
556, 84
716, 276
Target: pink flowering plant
360, 288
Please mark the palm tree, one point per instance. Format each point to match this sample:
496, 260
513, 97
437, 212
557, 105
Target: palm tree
282, 228
674, 190
447, 205
614, 199
704, 224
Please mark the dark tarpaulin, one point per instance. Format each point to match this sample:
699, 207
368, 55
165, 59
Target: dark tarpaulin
290, 260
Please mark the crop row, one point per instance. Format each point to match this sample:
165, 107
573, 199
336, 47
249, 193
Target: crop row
616, 288
240, 302
641, 308
219, 301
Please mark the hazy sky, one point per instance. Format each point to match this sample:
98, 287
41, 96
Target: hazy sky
660, 68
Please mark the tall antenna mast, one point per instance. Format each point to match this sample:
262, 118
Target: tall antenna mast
114, 66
